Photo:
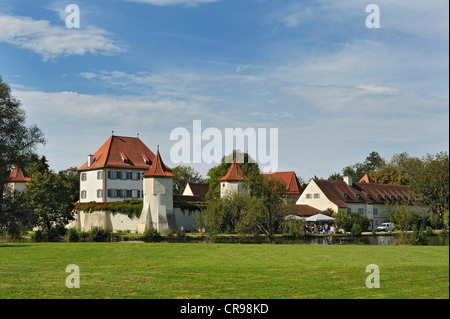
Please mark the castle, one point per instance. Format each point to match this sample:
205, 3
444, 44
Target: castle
125, 168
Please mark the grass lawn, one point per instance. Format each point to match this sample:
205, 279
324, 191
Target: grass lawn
168, 270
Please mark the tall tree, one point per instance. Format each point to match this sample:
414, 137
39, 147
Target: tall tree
16, 142
49, 200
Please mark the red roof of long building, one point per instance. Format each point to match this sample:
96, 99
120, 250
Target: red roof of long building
121, 152
371, 193
234, 174
18, 175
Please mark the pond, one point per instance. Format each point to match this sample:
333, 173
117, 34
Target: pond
434, 240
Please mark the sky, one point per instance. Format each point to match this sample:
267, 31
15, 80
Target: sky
335, 89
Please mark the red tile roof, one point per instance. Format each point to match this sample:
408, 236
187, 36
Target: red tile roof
199, 190
122, 152
371, 193
18, 175
158, 169
234, 173
290, 179
306, 210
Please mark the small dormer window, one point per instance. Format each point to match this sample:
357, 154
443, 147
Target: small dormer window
379, 196
399, 198
345, 195
386, 197
124, 158
358, 196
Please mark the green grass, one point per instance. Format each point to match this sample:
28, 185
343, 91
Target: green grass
163, 270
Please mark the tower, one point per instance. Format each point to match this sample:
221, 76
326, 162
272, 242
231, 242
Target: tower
157, 210
233, 181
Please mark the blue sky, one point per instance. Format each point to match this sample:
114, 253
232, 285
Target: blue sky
335, 89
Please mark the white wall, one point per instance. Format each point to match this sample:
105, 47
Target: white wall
321, 203
92, 184
227, 188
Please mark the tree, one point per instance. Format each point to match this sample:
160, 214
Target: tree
403, 216
430, 182
49, 200
16, 142
182, 176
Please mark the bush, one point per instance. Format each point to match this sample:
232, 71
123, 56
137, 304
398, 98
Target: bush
417, 237
38, 236
99, 234
356, 229
52, 234
293, 228
151, 235
84, 236
72, 234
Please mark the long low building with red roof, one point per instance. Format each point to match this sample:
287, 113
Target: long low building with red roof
365, 197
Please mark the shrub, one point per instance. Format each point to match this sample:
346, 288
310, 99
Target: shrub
356, 229
84, 236
52, 235
151, 235
293, 228
38, 236
99, 234
73, 235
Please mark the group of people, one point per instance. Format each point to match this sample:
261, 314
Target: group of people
320, 229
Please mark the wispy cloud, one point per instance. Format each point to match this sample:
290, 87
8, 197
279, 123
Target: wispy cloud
173, 2
52, 41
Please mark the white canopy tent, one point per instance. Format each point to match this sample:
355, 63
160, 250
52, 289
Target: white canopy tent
320, 218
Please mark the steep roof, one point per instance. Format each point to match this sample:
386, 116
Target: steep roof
234, 173
366, 179
122, 152
158, 169
340, 193
198, 189
290, 179
18, 175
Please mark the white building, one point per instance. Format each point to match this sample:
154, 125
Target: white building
124, 168
114, 172
365, 197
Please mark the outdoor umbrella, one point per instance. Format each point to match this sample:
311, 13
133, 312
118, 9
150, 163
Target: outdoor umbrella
319, 218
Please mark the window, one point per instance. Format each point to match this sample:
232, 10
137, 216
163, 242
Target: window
308, 196
375, 211
136, 176
112, 193
349, 210
317, 195
129, 175
83, 177
345, 195
100, 175
361, 211
83, 194
379, 196
118, 175
99, 193
129, 193
134, 193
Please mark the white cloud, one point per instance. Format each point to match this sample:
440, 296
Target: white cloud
51, 41
173, 2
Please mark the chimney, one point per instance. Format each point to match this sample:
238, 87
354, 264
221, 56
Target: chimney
348, 180
90, 160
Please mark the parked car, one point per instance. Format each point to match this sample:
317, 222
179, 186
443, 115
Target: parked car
386, 227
